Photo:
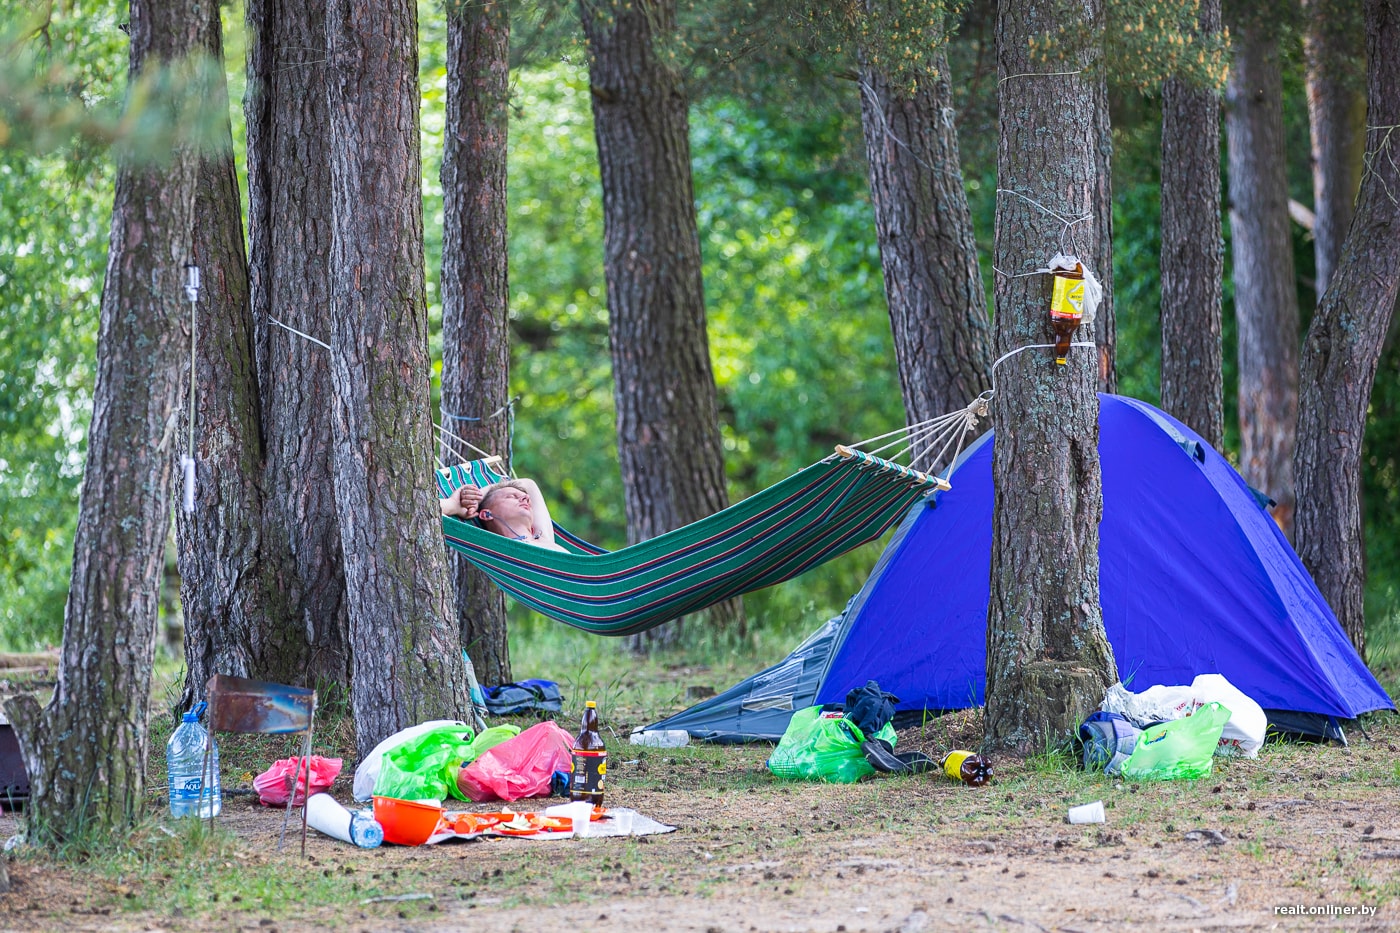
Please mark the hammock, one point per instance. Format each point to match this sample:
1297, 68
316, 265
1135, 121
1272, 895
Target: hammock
807, 519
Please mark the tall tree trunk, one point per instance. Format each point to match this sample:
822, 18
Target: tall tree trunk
1337, 116
1345, 342
1193, 250
230, 601
1266, 298
938, 309
408, 663
289, 223
1048, 659
86, 751
1101, 259
667, 420
475, 299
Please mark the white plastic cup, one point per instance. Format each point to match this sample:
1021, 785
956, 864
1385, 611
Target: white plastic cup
661, 738
1087, 813
581, 813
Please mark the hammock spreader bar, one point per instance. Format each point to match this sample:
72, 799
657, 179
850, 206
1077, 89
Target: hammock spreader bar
803, 521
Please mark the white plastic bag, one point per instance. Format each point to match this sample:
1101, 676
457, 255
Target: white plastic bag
368, 770
1244, 733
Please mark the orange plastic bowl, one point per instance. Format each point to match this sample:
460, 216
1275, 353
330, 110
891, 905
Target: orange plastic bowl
406, 823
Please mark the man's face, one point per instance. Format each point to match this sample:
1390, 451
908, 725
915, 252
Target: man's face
509, 505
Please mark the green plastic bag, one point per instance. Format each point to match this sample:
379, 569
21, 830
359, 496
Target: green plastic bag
1178, 749
488, 739
418, 769
819, 747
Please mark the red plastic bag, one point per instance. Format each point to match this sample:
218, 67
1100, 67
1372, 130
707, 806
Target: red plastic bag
519, 767
273, 783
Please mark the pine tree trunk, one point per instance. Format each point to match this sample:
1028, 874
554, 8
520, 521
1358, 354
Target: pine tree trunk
230, 602
86, 751
475, 299
289, 225
408, 664
1192, 251
1344, 344
938, 309
667, 421
1266, 298
1337, 116
1101, 259
1048, 659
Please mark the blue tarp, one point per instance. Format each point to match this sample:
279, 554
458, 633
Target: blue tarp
1194, 578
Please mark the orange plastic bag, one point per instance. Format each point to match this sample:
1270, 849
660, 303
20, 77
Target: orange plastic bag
272, 784
519, 767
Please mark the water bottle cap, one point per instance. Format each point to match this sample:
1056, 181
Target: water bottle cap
195, 712
591, 705
191, 716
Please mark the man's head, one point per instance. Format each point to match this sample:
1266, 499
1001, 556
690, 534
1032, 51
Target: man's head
507, 501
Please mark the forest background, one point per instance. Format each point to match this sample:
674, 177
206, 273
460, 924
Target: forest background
798, 325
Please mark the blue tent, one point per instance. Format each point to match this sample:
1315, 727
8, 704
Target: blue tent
1194, 578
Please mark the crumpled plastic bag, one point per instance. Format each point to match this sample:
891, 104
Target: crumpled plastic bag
273, 783
367, 772
1243, 734
519, 767
1181, 749
821, 746
422, 767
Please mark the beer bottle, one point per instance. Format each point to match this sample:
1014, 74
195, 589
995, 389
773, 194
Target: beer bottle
1066, 288
972, 769
590, 760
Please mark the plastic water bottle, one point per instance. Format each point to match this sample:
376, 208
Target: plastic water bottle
661, 738
365, 832
184, 763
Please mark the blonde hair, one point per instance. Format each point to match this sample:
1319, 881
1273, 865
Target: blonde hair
494, 488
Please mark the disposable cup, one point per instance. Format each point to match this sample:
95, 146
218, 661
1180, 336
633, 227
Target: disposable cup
580, 813
1087, 813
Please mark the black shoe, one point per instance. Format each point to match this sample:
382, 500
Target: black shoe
882, 757
917, 762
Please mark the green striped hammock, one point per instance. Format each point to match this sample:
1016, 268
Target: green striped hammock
819, 513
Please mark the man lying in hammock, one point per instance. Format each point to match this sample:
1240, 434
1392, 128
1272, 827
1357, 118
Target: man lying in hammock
514, 508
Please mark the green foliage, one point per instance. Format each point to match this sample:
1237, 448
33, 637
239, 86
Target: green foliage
1148, 41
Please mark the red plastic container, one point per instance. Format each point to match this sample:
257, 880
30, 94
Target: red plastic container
406, 823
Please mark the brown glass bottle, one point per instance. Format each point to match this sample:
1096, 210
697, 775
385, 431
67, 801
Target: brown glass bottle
972, 769
590, 760
1066, 298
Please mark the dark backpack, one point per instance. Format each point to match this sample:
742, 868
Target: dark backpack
523, 697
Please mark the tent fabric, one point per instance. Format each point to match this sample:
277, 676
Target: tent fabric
805, 520
1194, 578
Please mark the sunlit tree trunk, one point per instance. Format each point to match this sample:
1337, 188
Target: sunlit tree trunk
1192, 251
667, 421
475, 299
289, 225
938, 309
1337, 117
231, 603
86, 751
1345, 342
1048, 659
1266, 298
408, 662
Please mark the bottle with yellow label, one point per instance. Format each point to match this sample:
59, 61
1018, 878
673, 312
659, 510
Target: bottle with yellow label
1066, 307
972, 769
590, 760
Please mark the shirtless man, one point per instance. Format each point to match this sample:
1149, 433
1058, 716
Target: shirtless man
513, 508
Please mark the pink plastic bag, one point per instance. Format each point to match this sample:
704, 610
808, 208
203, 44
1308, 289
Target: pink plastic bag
519, 767
273, 783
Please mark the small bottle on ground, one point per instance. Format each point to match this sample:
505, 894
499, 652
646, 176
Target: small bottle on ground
972, 769
590, 760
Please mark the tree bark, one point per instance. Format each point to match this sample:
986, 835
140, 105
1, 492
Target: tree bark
1193, 249
938, 309
1345, 342
1048, 659
1266, 299
289, 222
475, 298
667, 422
230, 601
86, 751
1337, 117
408, 663
1101, 259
